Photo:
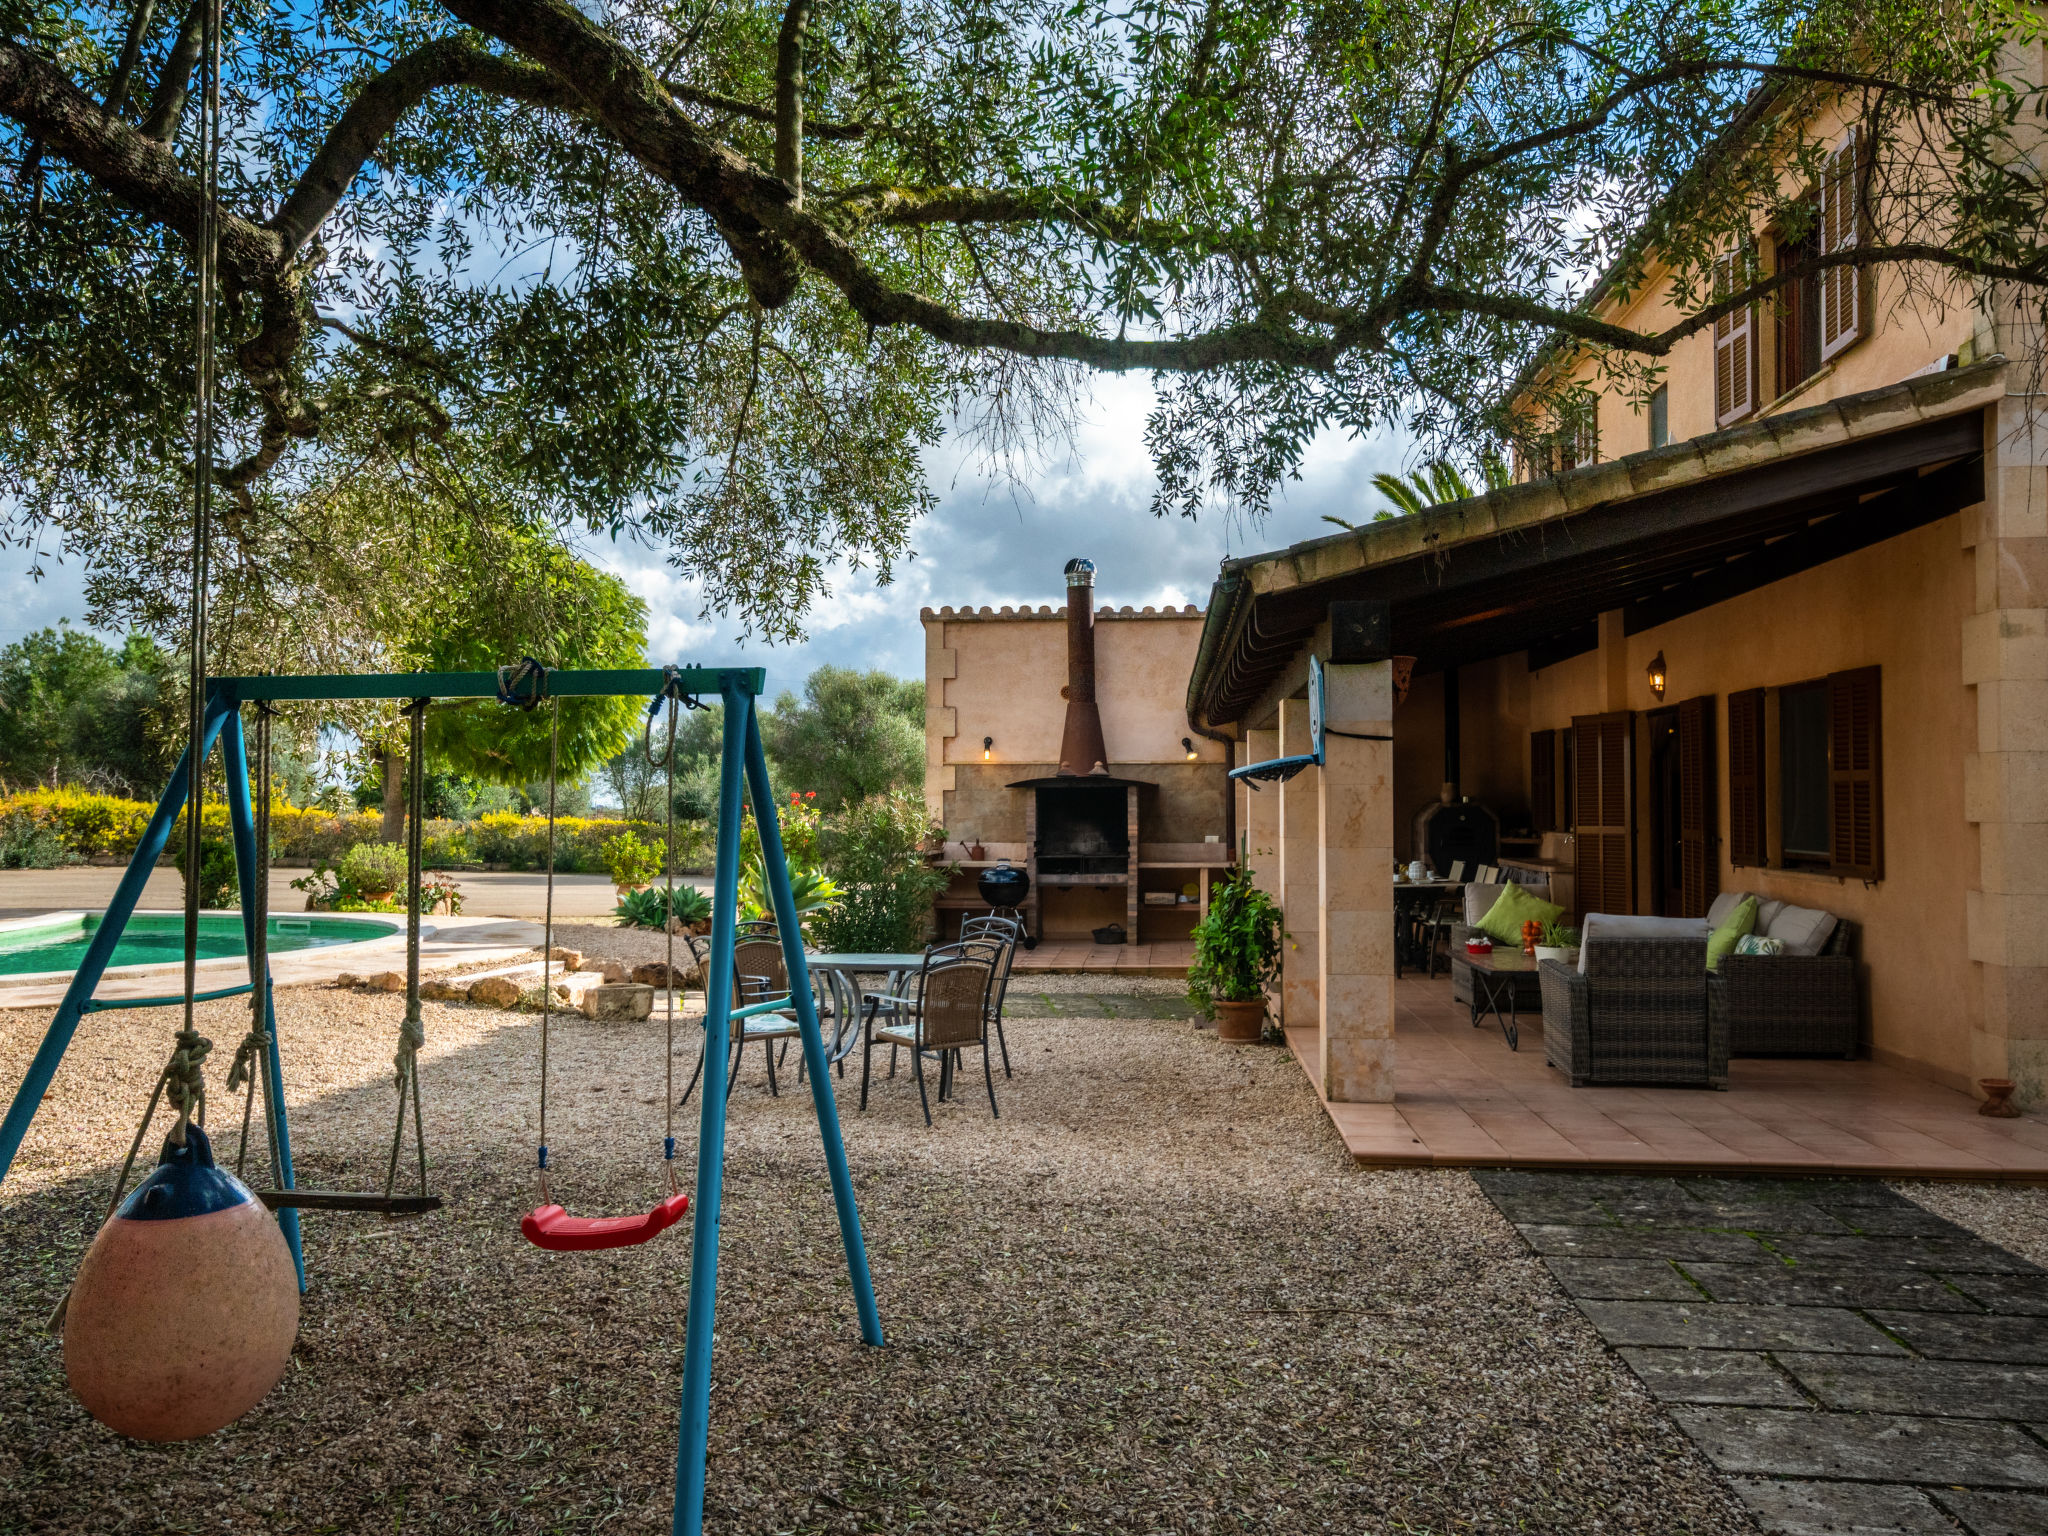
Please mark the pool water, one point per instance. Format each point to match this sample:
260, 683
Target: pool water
158, 938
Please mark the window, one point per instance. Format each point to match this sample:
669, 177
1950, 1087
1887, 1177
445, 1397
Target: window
1842, 214
1734, 341
1660, 416
1824, 782
1797, 356
1803, 774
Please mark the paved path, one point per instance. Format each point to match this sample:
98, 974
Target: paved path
89, 887
1851, 1361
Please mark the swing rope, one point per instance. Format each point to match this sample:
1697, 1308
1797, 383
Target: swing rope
547, 949
412, 1033
252, 1056
671, 693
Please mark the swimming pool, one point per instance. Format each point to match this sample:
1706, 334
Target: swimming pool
58, 943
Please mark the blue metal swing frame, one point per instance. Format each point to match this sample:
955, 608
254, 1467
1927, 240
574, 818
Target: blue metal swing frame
743, 763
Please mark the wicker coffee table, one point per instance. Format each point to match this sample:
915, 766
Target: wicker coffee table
1494, 983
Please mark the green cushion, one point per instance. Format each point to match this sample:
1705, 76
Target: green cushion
1504, 919
1737, 924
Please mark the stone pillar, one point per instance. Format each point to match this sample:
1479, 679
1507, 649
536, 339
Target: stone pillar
2005, 781
1300, 871
1261, 822
1355, 915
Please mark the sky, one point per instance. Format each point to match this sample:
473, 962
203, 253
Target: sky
991, 541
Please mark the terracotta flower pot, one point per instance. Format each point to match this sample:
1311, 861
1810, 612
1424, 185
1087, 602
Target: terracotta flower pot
1240, 1023
1998, 1098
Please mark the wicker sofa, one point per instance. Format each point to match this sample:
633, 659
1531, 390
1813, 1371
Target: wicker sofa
1791, 1005
1479, 900
1635, 1008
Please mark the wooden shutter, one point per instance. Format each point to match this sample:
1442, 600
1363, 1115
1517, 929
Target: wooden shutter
1543, 781
1841, 226
1855, 775
1699, 874
1734, 344
1746, 779
1603, 797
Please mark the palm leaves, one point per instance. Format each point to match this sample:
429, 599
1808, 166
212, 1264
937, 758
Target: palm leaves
1437, 482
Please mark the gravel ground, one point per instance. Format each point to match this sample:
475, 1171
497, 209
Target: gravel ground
2014, 1216
1153, 1297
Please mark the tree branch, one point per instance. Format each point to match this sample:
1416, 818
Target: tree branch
789, 96
168, 104
131, 55
812, 128
387, 97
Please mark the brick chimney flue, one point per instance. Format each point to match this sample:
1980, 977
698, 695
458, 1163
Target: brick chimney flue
1081, 748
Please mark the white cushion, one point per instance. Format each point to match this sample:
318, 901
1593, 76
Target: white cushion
1607, 925
1805, 930
1479, 899
1725, 903
1765, 911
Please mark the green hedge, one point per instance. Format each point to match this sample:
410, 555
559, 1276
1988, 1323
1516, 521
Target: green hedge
92, 825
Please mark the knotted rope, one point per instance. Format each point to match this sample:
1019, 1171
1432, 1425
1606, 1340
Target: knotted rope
185, 1080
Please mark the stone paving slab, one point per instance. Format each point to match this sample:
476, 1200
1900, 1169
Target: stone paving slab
1866, 1447
1856, 1365
1956, 1389
1708, 1325
1962, 1256
1828, 1285
1996, 1514
1643, 1243
1793, 1508
1944, 1336
1714, 1376
1622, 1279
2025, 1295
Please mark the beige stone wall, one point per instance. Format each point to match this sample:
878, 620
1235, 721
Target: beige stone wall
998, 673
1901, 606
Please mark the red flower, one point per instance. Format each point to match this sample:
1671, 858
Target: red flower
812, 795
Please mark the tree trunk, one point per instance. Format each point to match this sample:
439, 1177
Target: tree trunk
394, 796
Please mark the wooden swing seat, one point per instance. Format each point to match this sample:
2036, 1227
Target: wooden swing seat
328, 1200
555, 1229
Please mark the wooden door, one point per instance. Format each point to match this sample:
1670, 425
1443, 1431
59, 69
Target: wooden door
1603, 803
1699, 836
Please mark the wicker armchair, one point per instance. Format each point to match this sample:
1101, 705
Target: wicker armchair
759, 974
1791, 1005
1637, 1013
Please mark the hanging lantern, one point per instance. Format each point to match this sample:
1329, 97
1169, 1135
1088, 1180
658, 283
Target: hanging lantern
184, 1312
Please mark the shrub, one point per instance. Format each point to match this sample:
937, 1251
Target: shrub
27, 843
629, 861
218, 885
372, 867
875, 850
811, 891
1237, 946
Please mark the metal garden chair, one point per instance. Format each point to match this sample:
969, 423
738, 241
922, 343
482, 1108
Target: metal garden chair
944, 1010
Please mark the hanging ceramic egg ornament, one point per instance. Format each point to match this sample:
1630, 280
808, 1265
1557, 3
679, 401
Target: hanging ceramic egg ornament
183, 1314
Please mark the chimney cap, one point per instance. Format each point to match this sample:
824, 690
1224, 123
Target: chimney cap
1080, 572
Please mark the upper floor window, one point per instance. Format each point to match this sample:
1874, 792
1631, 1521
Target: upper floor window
1797, 356
1843, 296
1660, 416
1734, 340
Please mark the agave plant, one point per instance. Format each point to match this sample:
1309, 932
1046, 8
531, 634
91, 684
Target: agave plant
811, 889
648, 908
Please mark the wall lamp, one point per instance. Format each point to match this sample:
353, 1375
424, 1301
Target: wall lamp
1656, 671
1188, 745
986, 743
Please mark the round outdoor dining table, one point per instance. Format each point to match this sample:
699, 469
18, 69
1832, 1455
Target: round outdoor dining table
842, 974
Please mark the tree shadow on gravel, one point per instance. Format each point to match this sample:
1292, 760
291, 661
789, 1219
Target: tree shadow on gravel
1153, 1297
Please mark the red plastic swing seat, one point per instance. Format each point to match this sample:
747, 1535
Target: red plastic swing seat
553, 1228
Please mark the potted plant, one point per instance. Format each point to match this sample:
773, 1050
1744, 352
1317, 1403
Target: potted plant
1237, 952
1559, 941
935, 844
633, 864
372, 871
